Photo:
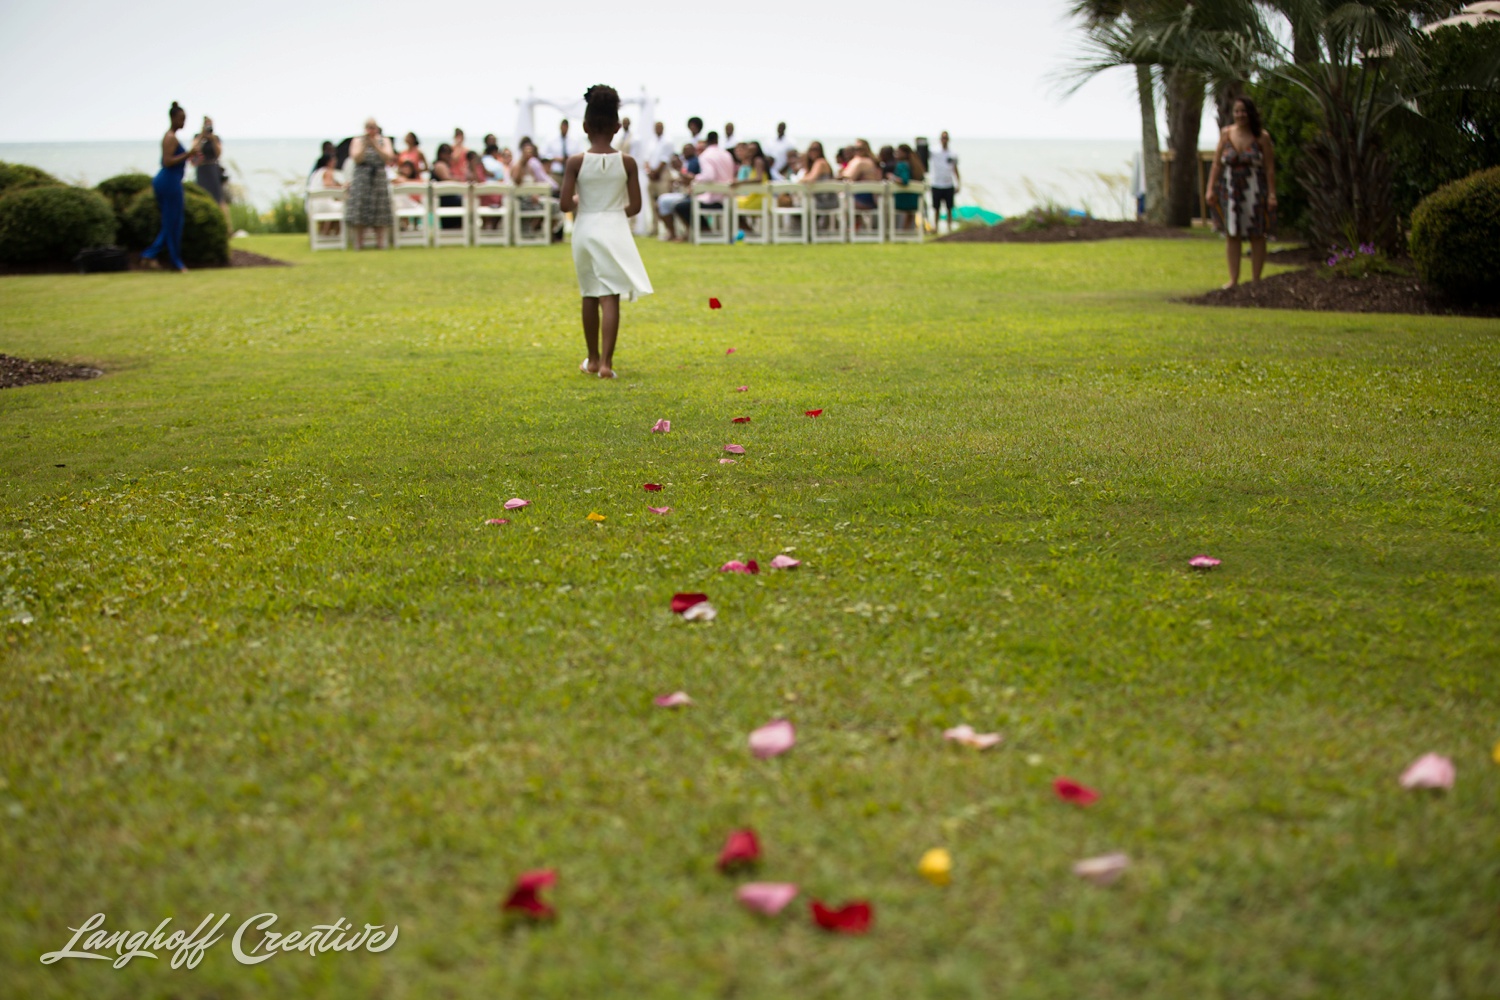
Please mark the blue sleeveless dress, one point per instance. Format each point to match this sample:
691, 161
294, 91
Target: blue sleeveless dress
167, 184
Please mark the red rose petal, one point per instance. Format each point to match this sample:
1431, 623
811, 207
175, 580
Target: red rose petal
715, 304
851, 918
813, 413
681, 602
741, 420
1071, 791
651, 487
741, 850
730, 351
524, 896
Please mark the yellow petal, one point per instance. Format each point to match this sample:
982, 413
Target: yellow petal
936, 866
1497, 753
596, 516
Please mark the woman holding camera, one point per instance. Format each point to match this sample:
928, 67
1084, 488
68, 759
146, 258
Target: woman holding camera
208, 173
369, 203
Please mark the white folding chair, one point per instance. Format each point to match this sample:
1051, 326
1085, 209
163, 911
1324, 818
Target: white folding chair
716, 216
531, 215
411, 209
325, 219
457, 231
905, 224
492, 220
789, 221
754, 222
866, 203
827, 222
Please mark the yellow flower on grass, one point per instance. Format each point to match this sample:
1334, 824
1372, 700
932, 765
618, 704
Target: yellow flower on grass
596, 516
936, 866
1496, 753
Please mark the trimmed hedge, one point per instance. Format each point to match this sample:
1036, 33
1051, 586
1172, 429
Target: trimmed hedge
122, 189
205, 235
49, 224
15, 176
1455, 237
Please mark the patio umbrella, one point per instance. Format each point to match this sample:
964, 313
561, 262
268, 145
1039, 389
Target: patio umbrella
973, 213
1484, 12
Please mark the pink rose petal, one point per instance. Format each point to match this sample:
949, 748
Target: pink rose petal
515, 503
785, 562
661, 427
1203, 562
769, 898
1103, 870
673, 700
730, 351
660, 510
735, 449
969, 738
498, 520
775, 737
743, 388
726, 461
1429, 771
735, 566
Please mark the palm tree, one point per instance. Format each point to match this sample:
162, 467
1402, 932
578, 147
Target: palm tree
1114, 40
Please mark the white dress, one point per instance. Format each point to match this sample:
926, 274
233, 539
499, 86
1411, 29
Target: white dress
604, 250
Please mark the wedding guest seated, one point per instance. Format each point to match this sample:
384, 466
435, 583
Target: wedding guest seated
908, 168
443, 170
862, 167
326, 178
413, 153
715, 166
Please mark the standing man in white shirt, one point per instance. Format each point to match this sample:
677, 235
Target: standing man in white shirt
778, 147
943, 174
658, 171
558, 150
622, 141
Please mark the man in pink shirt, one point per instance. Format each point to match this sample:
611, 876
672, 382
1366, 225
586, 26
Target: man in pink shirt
715, 166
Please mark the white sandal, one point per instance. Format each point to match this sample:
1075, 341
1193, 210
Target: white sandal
583, 366
612, 374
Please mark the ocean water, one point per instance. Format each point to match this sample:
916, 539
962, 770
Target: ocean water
1003, 175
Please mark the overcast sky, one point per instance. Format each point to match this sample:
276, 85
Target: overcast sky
984, 68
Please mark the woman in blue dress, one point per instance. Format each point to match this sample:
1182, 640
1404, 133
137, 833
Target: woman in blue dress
167, 185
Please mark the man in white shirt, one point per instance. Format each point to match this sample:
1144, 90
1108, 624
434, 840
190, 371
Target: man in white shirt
778, 147
658, 171
558, 150
622, 141
942, 173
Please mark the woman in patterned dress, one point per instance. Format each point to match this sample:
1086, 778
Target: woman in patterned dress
369, 203
1242, 188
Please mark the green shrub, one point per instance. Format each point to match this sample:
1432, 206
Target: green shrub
205, 235
15, 176
243, 216
122, 189
289, 214
48, 224
1455, 237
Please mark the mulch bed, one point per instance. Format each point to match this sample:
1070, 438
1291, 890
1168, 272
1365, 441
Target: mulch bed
237, 258
18, 371
1307, 289
1084, 231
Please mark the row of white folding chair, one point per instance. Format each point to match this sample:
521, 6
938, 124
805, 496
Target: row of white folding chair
521, 217
823, 212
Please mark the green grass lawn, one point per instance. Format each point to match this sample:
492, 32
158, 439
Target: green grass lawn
277, 662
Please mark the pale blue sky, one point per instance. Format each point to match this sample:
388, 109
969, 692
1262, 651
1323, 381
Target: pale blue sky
108, 70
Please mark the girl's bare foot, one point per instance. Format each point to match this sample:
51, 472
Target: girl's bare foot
605, 371
589, 366
1230, 284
